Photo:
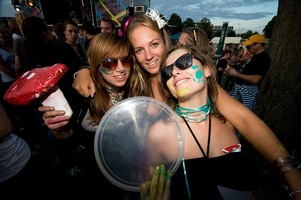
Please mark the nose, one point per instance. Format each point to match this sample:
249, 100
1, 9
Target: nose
149, 54
176, 71
120, 67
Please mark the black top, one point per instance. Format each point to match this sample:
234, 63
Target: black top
257, 65
67, 56
234, 170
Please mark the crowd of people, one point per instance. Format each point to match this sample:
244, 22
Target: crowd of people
105, 68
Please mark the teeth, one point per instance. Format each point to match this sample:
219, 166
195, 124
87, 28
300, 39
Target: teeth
179, 82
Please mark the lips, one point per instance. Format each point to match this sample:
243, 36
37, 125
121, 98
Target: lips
120, 78
180, 81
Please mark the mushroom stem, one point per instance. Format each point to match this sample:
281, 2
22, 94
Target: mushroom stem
56, 99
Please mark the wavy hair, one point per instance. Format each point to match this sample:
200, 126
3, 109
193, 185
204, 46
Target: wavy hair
104, 45
201, 53
141, 85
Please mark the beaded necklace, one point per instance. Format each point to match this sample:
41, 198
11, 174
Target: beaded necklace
117, 98
193, 114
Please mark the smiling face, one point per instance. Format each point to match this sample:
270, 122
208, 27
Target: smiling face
148, 47
189, 82
116, 77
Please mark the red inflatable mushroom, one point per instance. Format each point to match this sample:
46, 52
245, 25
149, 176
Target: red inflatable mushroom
39, 83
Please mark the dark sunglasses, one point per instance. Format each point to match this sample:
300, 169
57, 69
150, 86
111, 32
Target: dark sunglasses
182, 63
251, 45
110, 64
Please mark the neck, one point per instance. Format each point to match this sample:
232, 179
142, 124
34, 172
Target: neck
197, 114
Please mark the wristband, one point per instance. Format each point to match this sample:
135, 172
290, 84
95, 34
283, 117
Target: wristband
293, 193
235, 73
84, 67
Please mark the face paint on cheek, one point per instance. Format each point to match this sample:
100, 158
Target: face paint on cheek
178, 93
183, 91
171, 91
199, 78
104, 71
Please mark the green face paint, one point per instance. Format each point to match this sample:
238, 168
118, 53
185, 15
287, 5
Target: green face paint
198, 74
104, 71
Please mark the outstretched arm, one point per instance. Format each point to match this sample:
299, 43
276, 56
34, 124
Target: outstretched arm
258, 134
84, 83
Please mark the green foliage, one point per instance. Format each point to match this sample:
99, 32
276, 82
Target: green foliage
188, 23
268, 29
175, 23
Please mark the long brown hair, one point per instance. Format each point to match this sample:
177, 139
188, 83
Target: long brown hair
104, 45
212, 80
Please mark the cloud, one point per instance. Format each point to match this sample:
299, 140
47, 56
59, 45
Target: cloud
251, 14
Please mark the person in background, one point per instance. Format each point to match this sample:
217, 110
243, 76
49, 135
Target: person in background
20, 16
222, 64
150, 45
36, 48
107, 25
14, 29
7, 68
111, 67
58, 35
251, 75
194, 36
14, 156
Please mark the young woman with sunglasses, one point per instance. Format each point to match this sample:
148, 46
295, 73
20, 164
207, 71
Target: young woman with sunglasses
212, 168
150, 44
111, 69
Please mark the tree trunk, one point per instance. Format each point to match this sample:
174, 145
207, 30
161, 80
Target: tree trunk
279, 101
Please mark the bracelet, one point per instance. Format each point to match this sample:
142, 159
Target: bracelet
293, 193
82, 67
74, 75
235, 73
285, 164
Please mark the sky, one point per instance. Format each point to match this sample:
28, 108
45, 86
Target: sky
243, 15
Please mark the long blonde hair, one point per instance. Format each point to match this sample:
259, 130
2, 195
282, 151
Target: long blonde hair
141, 85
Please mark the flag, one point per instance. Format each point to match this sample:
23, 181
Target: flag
220, 46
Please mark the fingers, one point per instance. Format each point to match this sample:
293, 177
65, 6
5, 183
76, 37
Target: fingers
154, 184
161, 182
145, 190
167, 185
55, 119
45, 108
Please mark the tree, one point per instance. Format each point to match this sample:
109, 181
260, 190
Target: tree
175, 23
188, 22
279, 99
268, 29
278, 103
206, 25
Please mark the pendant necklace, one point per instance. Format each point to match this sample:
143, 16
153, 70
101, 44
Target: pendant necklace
115, 99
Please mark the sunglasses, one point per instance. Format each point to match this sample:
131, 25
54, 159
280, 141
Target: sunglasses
110, 64
182, 63
251, 45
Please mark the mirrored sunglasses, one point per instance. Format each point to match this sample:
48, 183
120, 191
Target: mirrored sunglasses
110, 64
182, 63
